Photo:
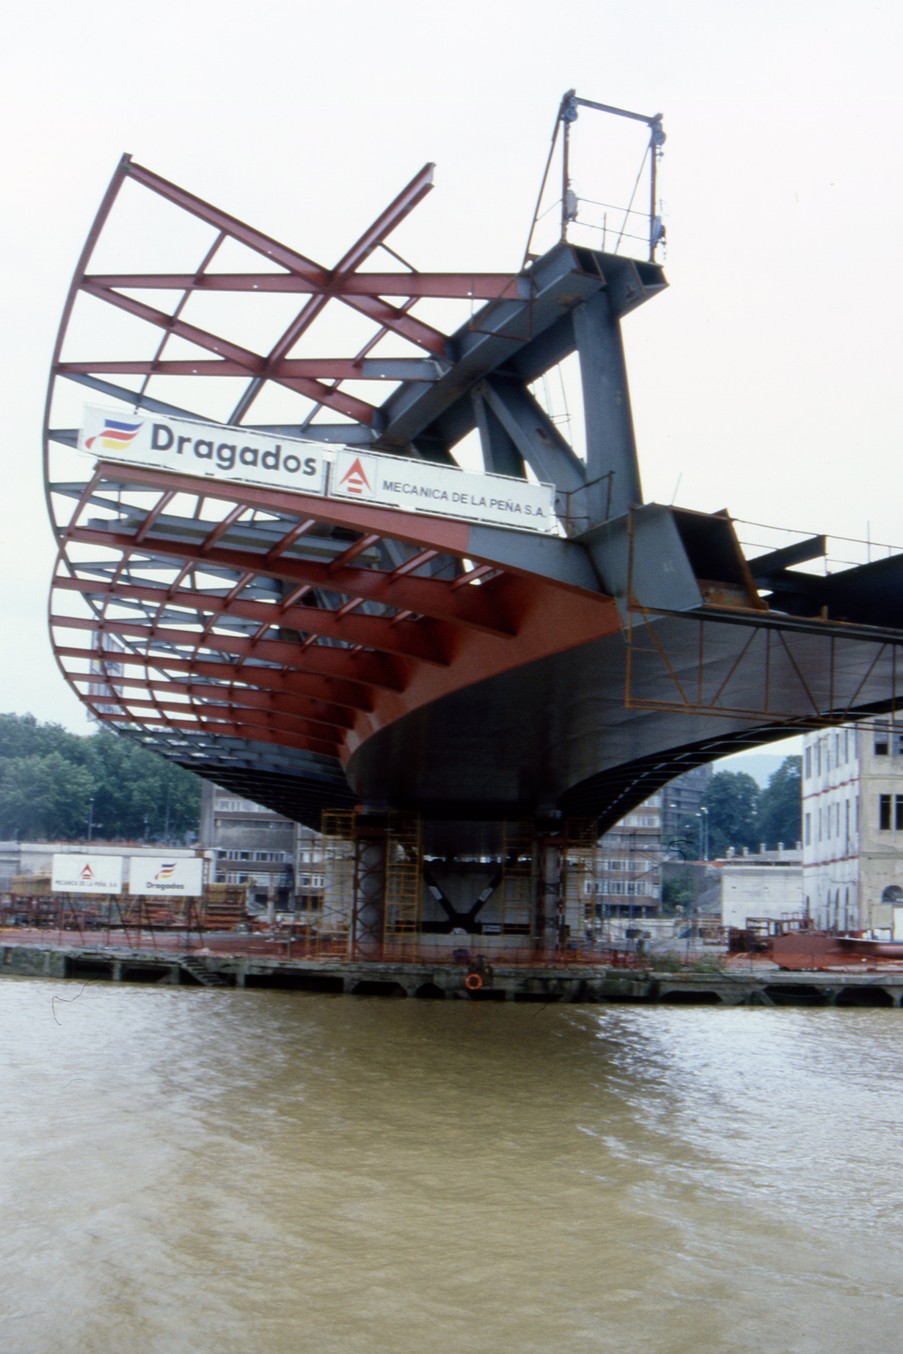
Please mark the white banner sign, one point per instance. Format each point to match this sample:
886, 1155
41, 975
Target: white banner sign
417, 486
158, 876
75, 873
246, 457
205, 449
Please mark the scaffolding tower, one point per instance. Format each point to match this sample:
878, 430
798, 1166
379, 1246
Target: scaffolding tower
329, 926
404, 885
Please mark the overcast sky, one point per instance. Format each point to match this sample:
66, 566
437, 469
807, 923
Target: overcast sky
765, 381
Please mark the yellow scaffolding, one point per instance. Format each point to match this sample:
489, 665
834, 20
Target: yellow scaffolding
330, 925
580, 873
404, 882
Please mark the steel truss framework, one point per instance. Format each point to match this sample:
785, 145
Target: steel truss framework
373, 904
314, 653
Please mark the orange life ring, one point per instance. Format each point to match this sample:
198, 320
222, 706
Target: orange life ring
473, 982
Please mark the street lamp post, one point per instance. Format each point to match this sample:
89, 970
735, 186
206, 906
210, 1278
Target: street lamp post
703, 816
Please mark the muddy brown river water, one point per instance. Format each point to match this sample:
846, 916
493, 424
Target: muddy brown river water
194, 1170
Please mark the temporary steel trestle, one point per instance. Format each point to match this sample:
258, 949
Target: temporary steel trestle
385, 899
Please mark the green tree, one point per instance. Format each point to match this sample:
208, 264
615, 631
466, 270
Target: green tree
23, 736
732, 801
53, 783
780, 805
43, 796
680, 889
18, 735
138, 795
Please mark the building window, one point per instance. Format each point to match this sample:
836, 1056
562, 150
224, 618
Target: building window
890, 813
808, 763
882, 743
808, 829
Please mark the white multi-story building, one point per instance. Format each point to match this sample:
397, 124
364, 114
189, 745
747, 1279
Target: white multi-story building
853, 825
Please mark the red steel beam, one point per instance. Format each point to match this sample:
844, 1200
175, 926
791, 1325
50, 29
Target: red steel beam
392, 216
390, 317
284, 372
450, 536
240, 698
249, 363
474, 607
230, 225
369, 669
225, 729
443, 286
330, 281
419, 640
249, 716
305, 685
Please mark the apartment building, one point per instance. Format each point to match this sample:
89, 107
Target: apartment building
278, 860
853, 825
628, 879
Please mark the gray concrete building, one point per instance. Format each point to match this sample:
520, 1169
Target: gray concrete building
680, 800
760, 884
279, 861
628, 882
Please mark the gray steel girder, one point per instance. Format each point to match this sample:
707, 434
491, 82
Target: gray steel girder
512, 343
612, 469
535, 436
500, 455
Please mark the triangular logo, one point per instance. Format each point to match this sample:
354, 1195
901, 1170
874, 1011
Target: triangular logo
355, 479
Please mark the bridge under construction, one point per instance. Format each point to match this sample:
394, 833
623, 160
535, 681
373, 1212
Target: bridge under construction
388, 592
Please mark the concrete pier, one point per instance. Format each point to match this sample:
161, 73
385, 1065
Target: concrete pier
757, 986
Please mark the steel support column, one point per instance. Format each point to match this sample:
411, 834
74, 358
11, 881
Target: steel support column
612, 468
500, 455
550, 927
534, 434
369, 886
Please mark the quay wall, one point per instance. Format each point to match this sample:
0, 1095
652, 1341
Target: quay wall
765, 987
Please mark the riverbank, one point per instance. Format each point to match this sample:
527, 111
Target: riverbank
706, 983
